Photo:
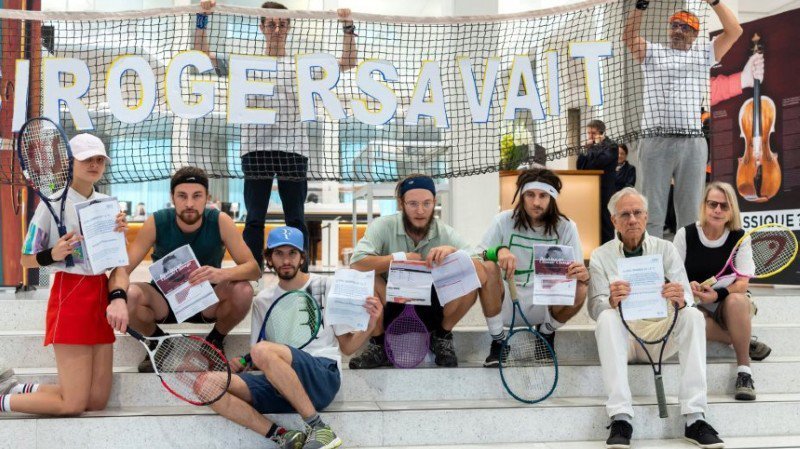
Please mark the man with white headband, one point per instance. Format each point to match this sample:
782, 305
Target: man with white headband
507, 249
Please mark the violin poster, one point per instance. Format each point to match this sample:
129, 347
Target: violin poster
755, 124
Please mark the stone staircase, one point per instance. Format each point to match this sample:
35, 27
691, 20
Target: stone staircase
461, 407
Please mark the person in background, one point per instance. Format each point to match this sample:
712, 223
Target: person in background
626, 172
601, 153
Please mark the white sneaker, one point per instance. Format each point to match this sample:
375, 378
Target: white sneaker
7, 379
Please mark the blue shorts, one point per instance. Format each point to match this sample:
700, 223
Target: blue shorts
319, 375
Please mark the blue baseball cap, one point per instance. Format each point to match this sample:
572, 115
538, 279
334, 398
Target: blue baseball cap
285, 235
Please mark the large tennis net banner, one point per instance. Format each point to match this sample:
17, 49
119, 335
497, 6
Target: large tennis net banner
371, 100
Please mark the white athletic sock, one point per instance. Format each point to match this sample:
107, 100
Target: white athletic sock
691, 418
24, 388
744, 369
495, 325
622, 417
5, 403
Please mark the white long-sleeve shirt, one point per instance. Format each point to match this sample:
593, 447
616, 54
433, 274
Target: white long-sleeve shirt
603, 270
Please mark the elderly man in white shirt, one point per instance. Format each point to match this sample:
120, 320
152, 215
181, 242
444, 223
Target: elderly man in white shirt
616, 346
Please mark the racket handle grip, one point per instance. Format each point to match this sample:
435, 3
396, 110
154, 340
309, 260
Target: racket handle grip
661, 397
709, 282
62, 231
135, 334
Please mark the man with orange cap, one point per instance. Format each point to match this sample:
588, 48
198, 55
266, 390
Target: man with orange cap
671, 144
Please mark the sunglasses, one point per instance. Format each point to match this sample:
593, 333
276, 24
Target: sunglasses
715, 204
682, 26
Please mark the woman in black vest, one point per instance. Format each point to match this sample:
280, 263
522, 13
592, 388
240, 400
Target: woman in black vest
705, 247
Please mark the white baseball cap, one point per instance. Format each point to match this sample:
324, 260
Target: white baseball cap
86, 145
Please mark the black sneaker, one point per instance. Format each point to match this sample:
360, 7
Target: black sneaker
373, 356
758, 350
702, 434
551, 340
493, 359
444, 350
145, 366
620, 435
745, 390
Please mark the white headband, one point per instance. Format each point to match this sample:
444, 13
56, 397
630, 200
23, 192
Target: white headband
538, 185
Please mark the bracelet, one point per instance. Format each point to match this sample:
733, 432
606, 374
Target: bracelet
643, 4
399, 256
45, 258
351, 29
201, 21
491, 253
117, 293
714, 3
722, 294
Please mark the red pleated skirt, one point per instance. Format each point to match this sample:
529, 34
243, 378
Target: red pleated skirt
76, 311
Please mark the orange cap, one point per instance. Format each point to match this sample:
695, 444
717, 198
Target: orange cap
687, 18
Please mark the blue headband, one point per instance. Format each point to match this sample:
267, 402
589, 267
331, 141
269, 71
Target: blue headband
419, 182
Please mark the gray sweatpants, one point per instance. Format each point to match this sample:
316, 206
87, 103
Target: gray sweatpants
662, 159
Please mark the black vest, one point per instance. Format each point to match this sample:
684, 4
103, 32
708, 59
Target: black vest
703, 262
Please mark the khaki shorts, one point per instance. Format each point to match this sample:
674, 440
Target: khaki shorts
718, 315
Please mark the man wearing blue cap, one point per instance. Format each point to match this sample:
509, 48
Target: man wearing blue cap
413, 234
292, 380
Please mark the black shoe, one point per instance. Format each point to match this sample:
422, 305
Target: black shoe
444, 350
758, 350
745, 390
620, 436
373, 356
702, 434
493, 359
542, 352
145, 366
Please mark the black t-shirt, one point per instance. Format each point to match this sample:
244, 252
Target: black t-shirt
703, 262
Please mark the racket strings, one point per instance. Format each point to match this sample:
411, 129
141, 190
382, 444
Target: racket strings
44, 153
293, 321
654, 331
771, 249
192, 369
528, 367
407, 341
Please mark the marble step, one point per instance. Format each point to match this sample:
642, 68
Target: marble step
23, 349
775, 375
398, 423
762, 442
27, 312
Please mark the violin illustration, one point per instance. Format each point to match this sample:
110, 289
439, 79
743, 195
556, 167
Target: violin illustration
758, 176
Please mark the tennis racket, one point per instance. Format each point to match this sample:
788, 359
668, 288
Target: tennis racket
763, 252
294, 319
407, 340
528, 365
189, 367
651, 332
46, 161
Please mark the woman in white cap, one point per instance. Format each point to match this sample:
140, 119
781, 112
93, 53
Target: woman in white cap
81, 313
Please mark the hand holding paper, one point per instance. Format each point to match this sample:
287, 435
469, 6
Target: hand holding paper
645, 276
351, 301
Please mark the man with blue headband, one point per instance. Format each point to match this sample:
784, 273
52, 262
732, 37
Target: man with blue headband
413, 234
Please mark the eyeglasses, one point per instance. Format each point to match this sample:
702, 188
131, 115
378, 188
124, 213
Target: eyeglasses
682, 26
626, 215
715, 204
272, 25
427, 205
